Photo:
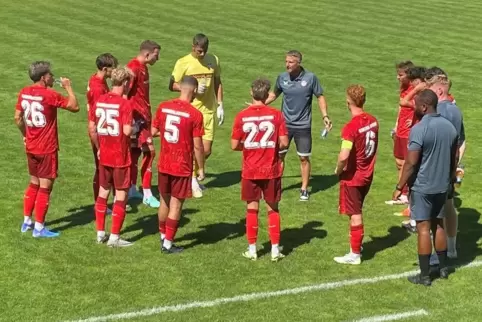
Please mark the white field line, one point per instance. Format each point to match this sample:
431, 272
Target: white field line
393, 317
254, 296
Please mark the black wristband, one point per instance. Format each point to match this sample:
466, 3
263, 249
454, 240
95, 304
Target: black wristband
398, 188
326, 116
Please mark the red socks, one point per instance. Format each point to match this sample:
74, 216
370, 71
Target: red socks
42, 205
171, 228
274, 223
29, 199
146, 169
356, 238
100, 209
162, 227
252, 226
135, 154
118, 216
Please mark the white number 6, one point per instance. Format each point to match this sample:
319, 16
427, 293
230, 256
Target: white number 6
33, 115
370, 143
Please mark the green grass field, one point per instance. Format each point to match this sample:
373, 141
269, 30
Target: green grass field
343, 42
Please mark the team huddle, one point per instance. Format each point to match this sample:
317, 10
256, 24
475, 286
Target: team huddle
122, 127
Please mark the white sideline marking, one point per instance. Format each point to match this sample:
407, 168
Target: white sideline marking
255, 296
393, 317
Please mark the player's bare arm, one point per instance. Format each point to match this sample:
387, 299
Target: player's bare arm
346, 147
93, 134
20, 122
199, 155
283, 142
407, 101
173, 85
127, 129
154, 132
236, 145
73, 104
454, 162
273, 96
408, 169
324, 112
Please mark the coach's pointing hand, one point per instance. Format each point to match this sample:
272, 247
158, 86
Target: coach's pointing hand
220, 113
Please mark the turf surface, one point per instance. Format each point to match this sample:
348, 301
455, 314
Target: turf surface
343, 42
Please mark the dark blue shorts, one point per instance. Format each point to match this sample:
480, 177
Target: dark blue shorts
427, 206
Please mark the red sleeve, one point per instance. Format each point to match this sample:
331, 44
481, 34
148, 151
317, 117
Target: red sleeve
282, 126
198, 129
133, 79
127, 114
238, 132
59, 101
18, 106
156, 122
347, 133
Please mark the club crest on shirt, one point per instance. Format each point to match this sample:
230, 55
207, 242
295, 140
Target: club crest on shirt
304, 83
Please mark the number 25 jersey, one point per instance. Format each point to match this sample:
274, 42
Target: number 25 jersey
362, 131
112, 112
39, 105
259, 127
178, 123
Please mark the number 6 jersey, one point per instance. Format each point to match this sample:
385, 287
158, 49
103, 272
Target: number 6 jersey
362, 131
39, 105
258, 127
178, 123
112, 112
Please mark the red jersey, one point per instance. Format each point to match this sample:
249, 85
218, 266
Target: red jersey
179, 123
112, 112
362, 131
96, 87
139, 90
39, 105
259, 128
406, 116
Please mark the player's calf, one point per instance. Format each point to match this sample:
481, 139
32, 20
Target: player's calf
172, 224
29, 199
41, 209
274, 229
252, 230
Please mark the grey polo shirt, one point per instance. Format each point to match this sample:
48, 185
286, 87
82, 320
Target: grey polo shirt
298, 97
435, 137
452, 113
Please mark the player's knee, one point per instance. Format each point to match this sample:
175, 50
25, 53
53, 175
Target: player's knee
34, 180
46, 183
356, 220
305, 159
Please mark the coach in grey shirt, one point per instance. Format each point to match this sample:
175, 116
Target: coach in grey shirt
298, 87
429, 170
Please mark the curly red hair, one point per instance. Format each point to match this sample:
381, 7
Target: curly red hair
356, 94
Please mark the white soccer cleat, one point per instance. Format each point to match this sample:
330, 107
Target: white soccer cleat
276, 257
102, 239
118, 243
452, 255
350, 259
252, 256
197, 192
403, 200
434, 260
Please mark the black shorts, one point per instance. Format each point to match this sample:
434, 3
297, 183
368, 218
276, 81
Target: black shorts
427, 206
302, 139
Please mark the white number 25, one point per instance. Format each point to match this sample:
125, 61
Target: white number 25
108, 123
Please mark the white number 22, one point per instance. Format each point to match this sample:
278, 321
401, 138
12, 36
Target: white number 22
171, 132
370, 143
33, 115
108, 124
267, 127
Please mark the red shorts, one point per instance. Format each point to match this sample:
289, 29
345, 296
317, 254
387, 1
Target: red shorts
267, 189
43, 166
352, 198
178, 187
400, 148
120, 178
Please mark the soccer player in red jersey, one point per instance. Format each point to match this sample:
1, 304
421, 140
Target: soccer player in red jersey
260, 132
139, 96
355, 166
180, 126
96, 87
36, 117
110, 132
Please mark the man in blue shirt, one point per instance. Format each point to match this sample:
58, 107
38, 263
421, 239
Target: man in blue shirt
429, 170
298, 87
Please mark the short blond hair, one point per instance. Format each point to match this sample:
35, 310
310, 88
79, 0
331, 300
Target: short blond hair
357, 94
260, 89
439, 80
120, 75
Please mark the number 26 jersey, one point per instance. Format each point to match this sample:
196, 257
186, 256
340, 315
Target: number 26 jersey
39, 106
258, 127
362, 131
112, 112
178, 123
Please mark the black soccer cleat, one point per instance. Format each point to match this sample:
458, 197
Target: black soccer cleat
444, 273
173, 250
421, 280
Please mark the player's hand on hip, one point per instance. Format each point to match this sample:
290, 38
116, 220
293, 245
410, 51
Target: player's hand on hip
200, 175
65, 82
220, 113
327, 122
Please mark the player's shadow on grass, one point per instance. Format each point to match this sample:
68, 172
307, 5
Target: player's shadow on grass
149, 224
317, 182
223, 180
77, 217
213, 233
469, 233
292, 238
378, 244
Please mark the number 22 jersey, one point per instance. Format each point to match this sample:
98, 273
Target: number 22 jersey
362, 131
39, 105
259, 127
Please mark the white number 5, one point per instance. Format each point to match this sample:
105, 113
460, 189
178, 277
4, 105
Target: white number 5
33, 115
370, 143
171, 132
107, 117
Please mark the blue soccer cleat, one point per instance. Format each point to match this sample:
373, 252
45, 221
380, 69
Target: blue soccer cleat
152, 202
44, 233
26, 227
